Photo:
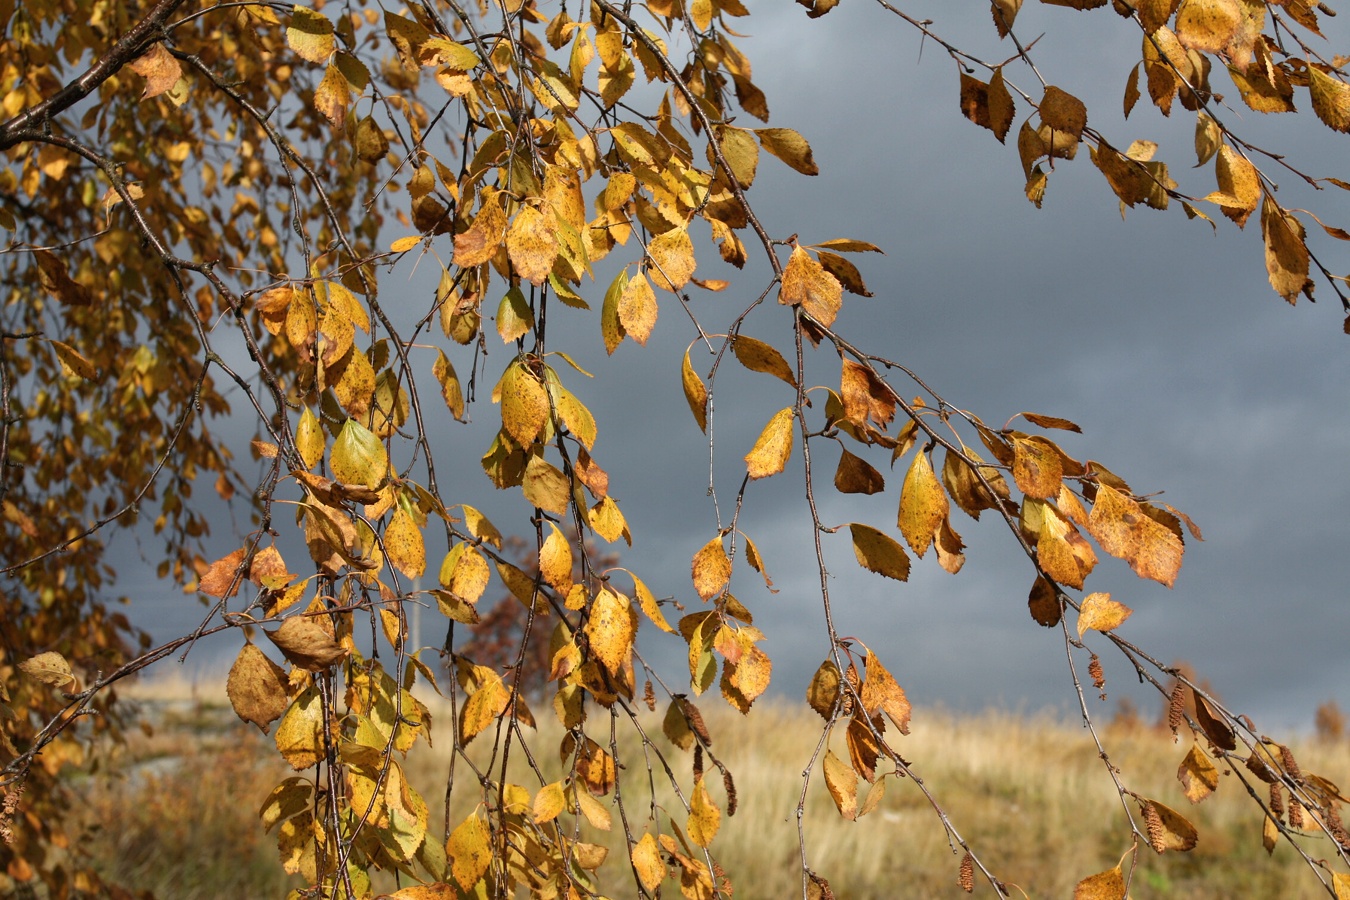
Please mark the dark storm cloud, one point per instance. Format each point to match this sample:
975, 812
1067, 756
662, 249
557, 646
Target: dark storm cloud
1161, 339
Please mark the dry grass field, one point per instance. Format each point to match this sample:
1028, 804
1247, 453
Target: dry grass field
178, 808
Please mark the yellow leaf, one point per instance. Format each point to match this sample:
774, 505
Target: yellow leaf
310, 35
594, 811
358, 457
1286, 253
514, 317
647, 862
470, 851
790, 147
1126, 532
525, 408
1237, 179
1208, 26
877, 552
611, 628
647, 600
532, 244
611, 328
842, 783
881, 694
1197, 774
704, 816
770, 454
695, 394
403, 544
50, 668
300, 735
483, 707
1037, 467
711, 569
637, 308
451, 391
672, 257
1100, 613
739, 150
73, 364
1341, 883
333, 96
309, 439
479, 243
808, 285
1108, 885
555, 560
464, 572
1330, 99
548, 803
923, 505
546, 487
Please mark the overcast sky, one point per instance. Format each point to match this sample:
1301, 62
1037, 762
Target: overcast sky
1160, 338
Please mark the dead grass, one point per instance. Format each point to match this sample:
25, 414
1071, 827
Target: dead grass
178, 809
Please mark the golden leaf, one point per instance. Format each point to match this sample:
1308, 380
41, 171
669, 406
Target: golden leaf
611, 627
546, 487
1330, 99
790, 147
1286, 252
307, 644
1238, 179
257, 688
695, 394
73, 364
808, 285
464, 572
403, 544
480, 242
358, 457
310, 35
483, 707
333, 96
470, 851
524, 400
842, 783
555, 560
159, 68
711, 569
865, 396
1197, 774
647, 862
1100, 613
704, 816
672, 257
881, 694
966, 488
611, 328
637, 308
451, 391
594, 811
878, 552
50, 668
1037, 466
1005, 13
770, 454
1108, 885
923, 505
739, 150
1125, 531
758, 356
531, 244
1208, 25
949, 547
300, 737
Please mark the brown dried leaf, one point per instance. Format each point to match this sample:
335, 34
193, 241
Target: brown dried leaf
257, 688
307, 644
808, 285
855, 475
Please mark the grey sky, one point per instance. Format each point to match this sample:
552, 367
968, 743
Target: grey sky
1161, 339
